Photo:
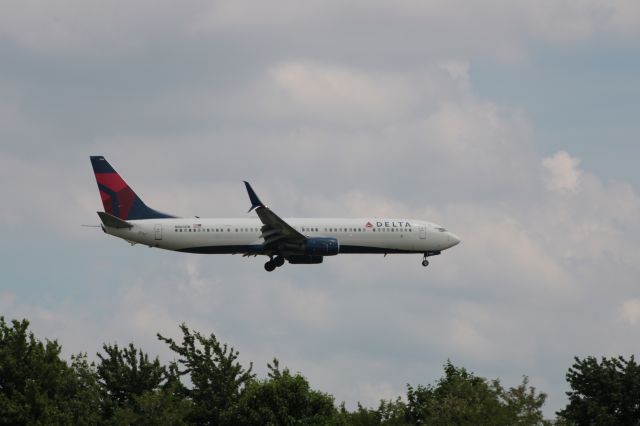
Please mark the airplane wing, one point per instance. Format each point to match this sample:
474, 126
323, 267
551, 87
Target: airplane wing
275, 230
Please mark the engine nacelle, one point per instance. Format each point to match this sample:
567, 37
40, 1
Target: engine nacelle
302, 259
322, 246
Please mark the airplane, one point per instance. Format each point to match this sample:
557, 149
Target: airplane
295, 240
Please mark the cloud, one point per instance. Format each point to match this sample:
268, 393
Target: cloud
341, 92
330, 110
631, 311
563, 173
505, 31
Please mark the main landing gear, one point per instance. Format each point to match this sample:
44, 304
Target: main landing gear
273, 263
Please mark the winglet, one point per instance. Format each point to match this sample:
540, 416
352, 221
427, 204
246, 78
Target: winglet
255, 201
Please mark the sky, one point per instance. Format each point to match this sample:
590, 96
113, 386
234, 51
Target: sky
513, 124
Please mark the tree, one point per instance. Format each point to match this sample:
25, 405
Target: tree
388, 413
523, 405
157, 407
603, 393
462, 398
217, 378
35, 383
126, 373
87, 400
283, 399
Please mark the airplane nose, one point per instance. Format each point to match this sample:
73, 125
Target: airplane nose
453, 239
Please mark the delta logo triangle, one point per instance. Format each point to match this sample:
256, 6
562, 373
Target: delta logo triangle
369, 225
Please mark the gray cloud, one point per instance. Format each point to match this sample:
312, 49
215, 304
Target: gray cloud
329, 110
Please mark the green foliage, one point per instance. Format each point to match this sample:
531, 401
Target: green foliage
126, 387
603, 393
282, 399
36, 385
523, 405
157, 407
388, 413
462, 398
86, 402
216, 376
126, 373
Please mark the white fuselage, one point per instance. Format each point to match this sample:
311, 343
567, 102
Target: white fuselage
237, 235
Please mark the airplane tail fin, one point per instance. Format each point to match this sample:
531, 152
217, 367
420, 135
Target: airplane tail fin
118, 198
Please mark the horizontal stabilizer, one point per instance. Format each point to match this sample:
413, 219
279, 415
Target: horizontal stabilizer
111, 221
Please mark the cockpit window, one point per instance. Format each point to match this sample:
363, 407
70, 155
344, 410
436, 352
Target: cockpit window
441, 229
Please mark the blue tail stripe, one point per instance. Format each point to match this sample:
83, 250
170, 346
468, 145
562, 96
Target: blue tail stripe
100, 165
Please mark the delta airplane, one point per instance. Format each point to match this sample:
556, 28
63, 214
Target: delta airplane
295, 240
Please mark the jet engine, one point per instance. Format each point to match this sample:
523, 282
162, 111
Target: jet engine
302, 259
321, 246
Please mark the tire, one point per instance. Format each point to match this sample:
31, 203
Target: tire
269, 266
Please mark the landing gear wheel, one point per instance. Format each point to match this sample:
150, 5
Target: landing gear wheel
425, 263
269, 266
278, 261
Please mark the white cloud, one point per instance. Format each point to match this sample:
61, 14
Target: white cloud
631, 311
340, 92
563, 173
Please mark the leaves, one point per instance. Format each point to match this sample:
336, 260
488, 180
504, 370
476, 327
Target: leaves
462, 398
282, 399
217, 377
35, 383
127, 373
206, 384
605, 392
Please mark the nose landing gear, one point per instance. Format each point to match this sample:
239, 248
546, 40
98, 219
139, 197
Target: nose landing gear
425, 262
273, 263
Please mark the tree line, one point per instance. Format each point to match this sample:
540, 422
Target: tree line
207, 385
